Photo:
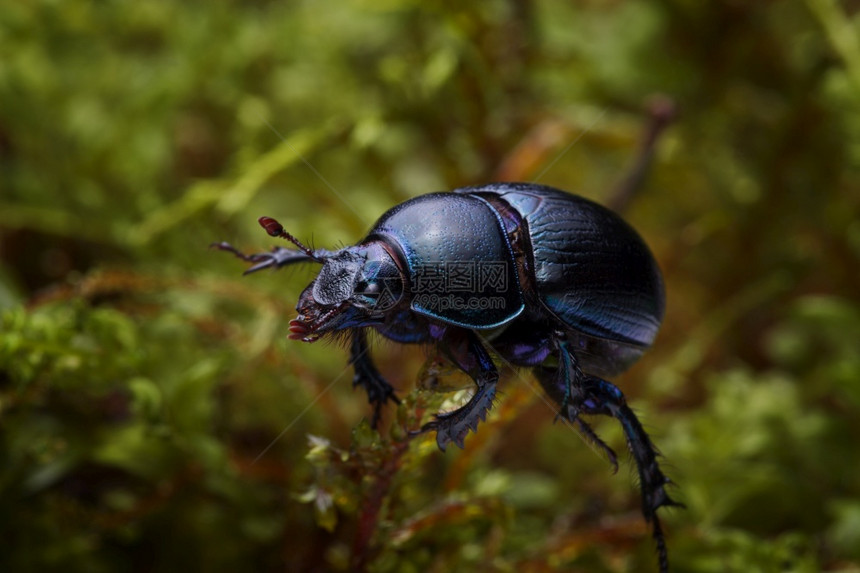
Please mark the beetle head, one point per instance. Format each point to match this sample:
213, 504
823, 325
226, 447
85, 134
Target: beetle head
356, 287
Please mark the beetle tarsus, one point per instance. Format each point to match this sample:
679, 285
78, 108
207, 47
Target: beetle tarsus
660, 542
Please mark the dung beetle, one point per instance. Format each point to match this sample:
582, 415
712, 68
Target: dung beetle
543, 278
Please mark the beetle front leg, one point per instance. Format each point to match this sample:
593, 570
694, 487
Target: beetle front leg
465, 350
379, 391
276, 258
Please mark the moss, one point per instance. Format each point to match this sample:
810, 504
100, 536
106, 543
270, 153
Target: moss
152, 416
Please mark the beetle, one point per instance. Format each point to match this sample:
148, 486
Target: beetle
545, 279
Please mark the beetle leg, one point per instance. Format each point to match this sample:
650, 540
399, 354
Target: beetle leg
602, 397
590, 436
569, 376
466, 351
572, 414
276, 258
564, 387
590, 395
379, 391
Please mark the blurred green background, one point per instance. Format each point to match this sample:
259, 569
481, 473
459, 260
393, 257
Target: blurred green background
153, 415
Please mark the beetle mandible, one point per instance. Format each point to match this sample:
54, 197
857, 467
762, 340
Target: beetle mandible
546, 279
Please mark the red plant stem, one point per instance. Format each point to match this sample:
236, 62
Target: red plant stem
369, 515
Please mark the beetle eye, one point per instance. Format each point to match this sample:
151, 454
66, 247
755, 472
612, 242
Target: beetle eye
369, 288
368, 292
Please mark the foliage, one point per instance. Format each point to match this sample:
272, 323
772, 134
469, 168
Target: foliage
152, 416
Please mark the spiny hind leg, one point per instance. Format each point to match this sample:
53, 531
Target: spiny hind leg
578, 394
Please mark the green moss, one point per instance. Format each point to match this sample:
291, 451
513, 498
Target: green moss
152, 414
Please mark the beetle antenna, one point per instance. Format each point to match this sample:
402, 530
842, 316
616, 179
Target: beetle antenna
275, 229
